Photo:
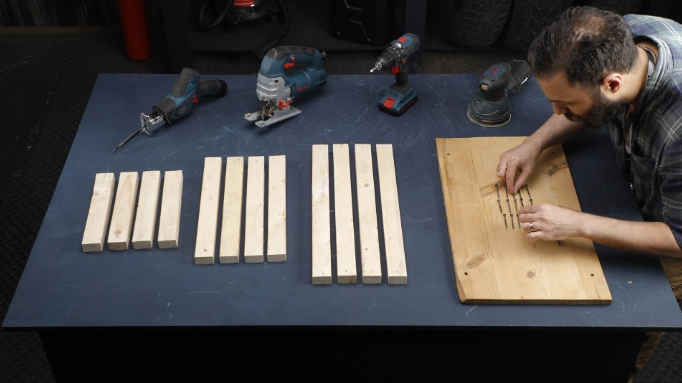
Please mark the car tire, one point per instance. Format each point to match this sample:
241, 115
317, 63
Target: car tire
526, 20
474, 23
622, 7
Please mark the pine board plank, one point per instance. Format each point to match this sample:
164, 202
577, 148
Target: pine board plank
321, 232
254, 224
171, 206
98, 213
396, 267
124, 208
496, 264
230, 236
204, 250
346, 266
277, 209
147, 205
367, 215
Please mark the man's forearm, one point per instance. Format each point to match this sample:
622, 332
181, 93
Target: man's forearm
653, 238
556, 130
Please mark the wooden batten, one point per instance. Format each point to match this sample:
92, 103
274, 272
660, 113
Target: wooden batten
98, 214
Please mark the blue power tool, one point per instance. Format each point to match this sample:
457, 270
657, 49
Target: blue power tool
276, 89
178, 103
400, 96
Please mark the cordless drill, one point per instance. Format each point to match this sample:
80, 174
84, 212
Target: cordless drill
490, 107
400, 96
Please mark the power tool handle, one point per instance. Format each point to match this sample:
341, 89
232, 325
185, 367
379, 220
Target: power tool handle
216, 88
186, 83
520, 73
402, 76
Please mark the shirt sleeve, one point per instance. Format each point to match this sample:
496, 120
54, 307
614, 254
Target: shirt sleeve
671, 188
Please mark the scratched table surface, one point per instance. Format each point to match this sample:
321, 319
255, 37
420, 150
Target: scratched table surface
63, 287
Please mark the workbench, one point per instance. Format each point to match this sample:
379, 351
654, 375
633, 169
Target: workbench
90, 303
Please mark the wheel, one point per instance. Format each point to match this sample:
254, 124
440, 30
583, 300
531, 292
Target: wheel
474, 23
622, 7
526, 20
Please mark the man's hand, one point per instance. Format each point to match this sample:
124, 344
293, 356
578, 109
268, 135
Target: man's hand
551, 222
522, 159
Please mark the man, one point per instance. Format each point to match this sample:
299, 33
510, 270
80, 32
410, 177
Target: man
624, 73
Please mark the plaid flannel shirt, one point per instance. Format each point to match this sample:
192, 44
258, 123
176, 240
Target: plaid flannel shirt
655, 162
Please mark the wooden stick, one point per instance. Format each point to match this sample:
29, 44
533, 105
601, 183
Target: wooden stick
204, 251
321, 233
277, 209
147, 203
346, 267
393, 232
124, 207
367, 215
171, 204
232, 210
98, 214
255, 213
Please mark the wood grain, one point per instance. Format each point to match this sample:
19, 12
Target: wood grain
396, 267
232, 210
171, 206
321, 232
277, 209
367, 215
147, 205
204, 250
255, 210
495, 263
124, 209
98, 214
346, 266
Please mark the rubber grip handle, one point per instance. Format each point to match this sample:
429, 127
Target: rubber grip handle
520, 73
280, 53
216, 88
188, 76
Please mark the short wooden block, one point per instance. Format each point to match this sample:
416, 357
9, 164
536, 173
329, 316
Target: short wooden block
321, 232
367, 215
171, 204
346, 266
254, 224
204, 251
124, 208
277, 209
98, 214
232, 210
393, 230
147, 203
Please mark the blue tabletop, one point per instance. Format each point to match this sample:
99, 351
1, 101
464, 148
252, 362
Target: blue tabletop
63, 287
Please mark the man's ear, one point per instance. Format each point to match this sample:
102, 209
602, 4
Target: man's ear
611, 84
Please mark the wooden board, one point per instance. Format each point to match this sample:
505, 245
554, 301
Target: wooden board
98, 214
171, 204
204, 251
346, 267
497, 264
367, 215
321, 232
254, 224
396, 267
277, 209
232, 210
147, 203
124, 208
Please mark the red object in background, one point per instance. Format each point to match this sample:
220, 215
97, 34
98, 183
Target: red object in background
135, 29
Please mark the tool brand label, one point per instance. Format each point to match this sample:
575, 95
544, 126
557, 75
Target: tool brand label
301, 89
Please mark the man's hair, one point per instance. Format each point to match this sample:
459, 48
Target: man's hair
587, 42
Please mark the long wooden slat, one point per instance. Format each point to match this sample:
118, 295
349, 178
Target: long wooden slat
254, 224
495, 263
204, 251
277, 209
98, 214
346, 266
367, 214
171, 206
396, 267
147, 204
321, 232
124, 208
232, 210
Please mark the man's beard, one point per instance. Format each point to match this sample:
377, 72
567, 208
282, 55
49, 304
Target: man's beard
603, 110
